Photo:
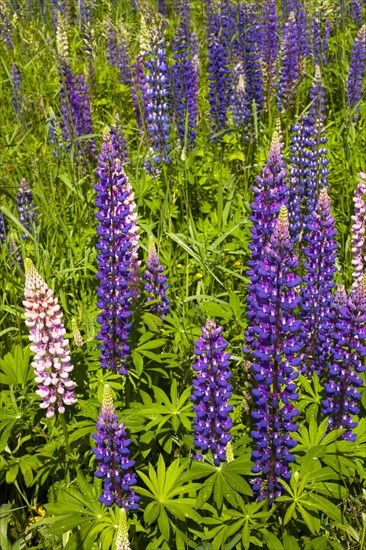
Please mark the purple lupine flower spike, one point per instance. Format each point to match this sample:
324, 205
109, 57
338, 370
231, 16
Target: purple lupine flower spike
26, 211
16, 89
358, 231
123, 58
290, 71
269, 47
157, 91
347, 358
114, 259
156, 283
5, 28
112, 453
274, 347
356, 71
185, 88
111, 42
51, 363
3, 227
211, 392
320, 255
242, 114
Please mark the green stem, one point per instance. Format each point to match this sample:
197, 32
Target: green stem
69, 452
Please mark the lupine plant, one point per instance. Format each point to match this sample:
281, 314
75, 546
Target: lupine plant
156, 283
211, 391
357, 70
26, 210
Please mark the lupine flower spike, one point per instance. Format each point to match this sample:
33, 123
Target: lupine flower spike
358, 231
112, 453
122, 540
274, 347
156, 285
319, 268
117, 237
347, 360
27, 215
357, 70
51, 363
76, 334
211, 391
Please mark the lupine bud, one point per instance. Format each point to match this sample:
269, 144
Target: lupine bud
156, 285
122, 541
211, 392
112, 453
26, 211
47, 333
76, 334
229, 453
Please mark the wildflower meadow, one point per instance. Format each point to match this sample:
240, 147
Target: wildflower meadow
183, 275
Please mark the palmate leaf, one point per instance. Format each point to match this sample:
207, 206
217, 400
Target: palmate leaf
165, 488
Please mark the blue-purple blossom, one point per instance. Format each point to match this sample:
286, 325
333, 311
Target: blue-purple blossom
356, 71
114, 258
139, 92
211, 392
157, 92
123, 58
156, 284
355, 11
269, 47
112, 453
274, 349
347, 361
26, 210
242, 114
219, 78
185, 89
111, 42
75, 110
308, 172
5, 28
249, 32
320, 255
16, 89
359, 231
293, 52
3, 227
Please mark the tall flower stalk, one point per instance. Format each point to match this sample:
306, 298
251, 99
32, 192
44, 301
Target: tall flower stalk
115, 217
112, 453
356, 71
359, 231
52, 362
155, 283
211, 391
316, 302
347, 361
274, 348
26, 211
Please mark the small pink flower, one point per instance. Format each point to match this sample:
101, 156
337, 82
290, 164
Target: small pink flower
51, 350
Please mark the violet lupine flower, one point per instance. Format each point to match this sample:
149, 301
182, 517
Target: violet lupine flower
123, 58
14, 251
156, 285
75, 110
16, 89
249, 31
269, 47
116, 245
290, 68
157, 92
112, 453
5, 28
26, 211
317, 297
119, 143
185, 89
3, 227
275, 348
358, 232
308, 172
211, 392
355, 9
162, 8
87, 27
122, 540
47, 333
356, 71
347, 353
111, 42
270, 192
319, 39
219, 77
